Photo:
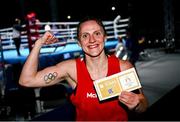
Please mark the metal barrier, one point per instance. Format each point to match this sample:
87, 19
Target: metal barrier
64, 31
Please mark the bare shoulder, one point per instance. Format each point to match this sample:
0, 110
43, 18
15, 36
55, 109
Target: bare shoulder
125, 64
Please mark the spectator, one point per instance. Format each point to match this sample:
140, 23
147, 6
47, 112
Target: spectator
32, 28
133, 47
17, 34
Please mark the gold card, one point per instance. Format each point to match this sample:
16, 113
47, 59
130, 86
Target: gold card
113, 85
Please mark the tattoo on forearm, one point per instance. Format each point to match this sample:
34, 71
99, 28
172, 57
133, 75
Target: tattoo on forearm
50, 77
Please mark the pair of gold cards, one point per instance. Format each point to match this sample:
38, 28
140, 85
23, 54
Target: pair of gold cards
113, 85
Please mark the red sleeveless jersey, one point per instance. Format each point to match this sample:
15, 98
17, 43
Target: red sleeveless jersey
85, 99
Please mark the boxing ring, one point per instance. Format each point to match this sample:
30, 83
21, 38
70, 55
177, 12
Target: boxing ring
65, 32
66, 48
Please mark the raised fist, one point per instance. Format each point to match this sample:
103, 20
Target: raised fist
49, 38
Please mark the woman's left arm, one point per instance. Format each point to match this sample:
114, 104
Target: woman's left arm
134, 101
143, 102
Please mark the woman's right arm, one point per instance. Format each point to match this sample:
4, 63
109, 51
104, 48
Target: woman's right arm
31, 77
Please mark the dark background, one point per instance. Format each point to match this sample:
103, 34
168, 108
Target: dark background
76, 8
147, 14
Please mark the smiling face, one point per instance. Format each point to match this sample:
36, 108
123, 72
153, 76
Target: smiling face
91, 38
